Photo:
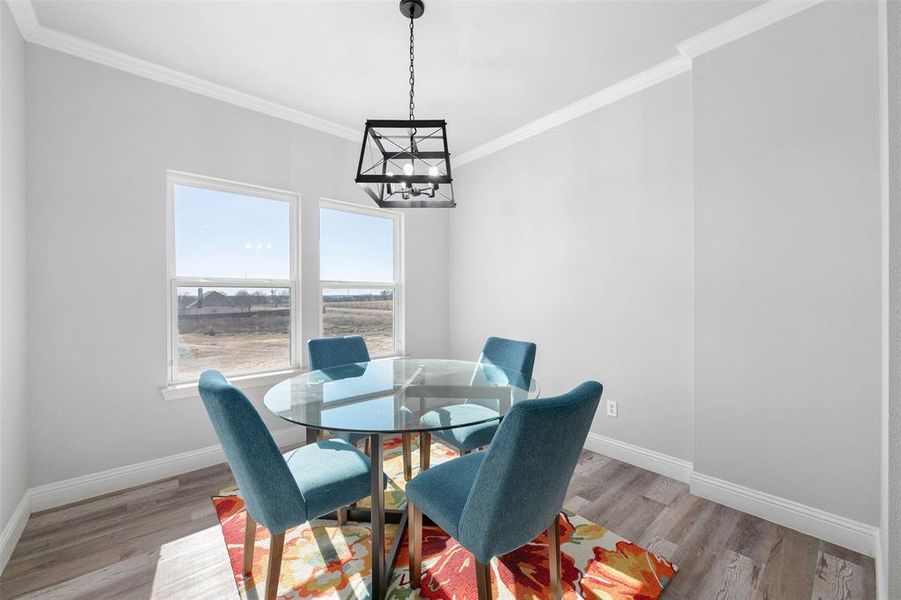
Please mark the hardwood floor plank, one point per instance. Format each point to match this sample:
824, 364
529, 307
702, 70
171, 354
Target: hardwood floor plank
99, 582
754, 538
732, 577
837, 579
575, 503
790, 567
42, 521
700, 538
663, 548
666, 490
667, 520
869, 566
613, 479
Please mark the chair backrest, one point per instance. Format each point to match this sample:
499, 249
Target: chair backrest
332, 352
507, 354
523, 479
267, 486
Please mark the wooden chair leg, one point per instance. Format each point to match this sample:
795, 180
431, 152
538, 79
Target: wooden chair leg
342, 515
414, 544
553, 548
407, 442
276, 546
425, 450
483, 580
250, 539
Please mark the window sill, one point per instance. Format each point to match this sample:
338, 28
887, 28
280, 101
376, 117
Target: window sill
180, 391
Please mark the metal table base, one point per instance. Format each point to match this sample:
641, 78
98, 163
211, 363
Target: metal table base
377, 516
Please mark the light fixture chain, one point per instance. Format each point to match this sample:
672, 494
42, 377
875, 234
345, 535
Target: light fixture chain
412, 72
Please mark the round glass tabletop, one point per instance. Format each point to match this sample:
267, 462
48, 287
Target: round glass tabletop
390, 395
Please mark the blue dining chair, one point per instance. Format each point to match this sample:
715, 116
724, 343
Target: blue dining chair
495, 501
326, 353
509, 354
280, 491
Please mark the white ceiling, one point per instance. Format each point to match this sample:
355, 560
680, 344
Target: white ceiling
486, 67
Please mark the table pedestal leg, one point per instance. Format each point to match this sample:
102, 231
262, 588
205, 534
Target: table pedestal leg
312, 435
379, 575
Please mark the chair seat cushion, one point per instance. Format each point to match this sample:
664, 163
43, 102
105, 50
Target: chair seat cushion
330, 474
349, 437
442, 491
468, 437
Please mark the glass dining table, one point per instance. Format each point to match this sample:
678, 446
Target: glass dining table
385, 398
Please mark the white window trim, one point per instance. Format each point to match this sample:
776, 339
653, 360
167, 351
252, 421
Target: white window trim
399, 317
182, 389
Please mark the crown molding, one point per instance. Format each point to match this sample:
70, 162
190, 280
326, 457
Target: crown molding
744, 24
32, 31
645, 79
24, 16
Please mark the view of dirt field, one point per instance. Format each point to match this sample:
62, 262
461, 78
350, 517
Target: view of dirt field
260, 340
375, 325
232, 352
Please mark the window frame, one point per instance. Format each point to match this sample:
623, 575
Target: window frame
173, 282
397, 286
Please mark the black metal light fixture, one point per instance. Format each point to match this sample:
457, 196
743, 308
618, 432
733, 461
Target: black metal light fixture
404, 163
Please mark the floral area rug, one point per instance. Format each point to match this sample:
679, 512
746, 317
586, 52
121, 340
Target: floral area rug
322, 560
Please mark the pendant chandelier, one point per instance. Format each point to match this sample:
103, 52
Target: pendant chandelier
404, 163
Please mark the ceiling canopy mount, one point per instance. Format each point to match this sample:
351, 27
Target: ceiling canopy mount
412, 9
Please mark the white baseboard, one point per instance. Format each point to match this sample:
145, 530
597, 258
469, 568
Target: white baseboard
64, 492
835, 529
664, 464
841, 531
9, 537
881, 568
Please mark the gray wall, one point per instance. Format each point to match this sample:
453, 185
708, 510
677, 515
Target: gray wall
13, 408
891, 522
787, 257
100, 142
709, 249
580, 239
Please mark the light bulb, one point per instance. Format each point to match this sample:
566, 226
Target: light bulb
408, 169
433, 171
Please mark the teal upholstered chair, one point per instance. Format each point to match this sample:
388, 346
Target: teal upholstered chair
509, 354
495, 501
326, 353
334, 351
280, 491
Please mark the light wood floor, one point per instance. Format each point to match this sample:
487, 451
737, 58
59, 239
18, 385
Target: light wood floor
162, 540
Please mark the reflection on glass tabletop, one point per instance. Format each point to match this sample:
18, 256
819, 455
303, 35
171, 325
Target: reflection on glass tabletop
390, 395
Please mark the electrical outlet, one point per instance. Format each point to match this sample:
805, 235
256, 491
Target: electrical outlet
611, 408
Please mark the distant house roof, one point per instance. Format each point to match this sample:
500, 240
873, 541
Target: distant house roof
214, 299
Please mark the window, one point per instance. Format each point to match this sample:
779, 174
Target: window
361, 271
232, 278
